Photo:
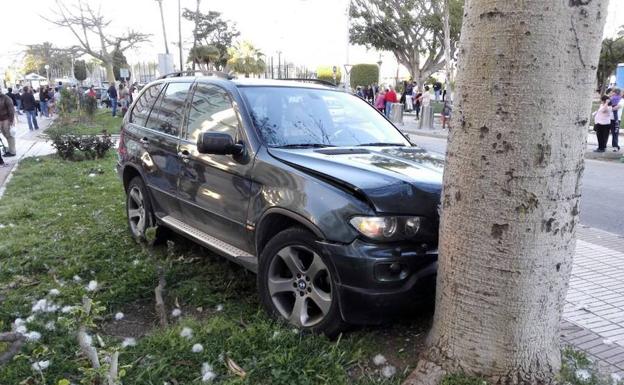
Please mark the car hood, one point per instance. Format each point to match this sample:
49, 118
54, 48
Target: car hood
399, 180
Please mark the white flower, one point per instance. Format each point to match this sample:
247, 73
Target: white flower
33, 336
119, 316
54, 292
388, 371
67, 309
128, 342
91, 175
77, 278
379, 360
40, 365
50, 326
176, 312
219, 307
44, 306
92, 286
207, 374
19, 322
582, 374
136, 262
186, 333
21, 329
30, 318
197, 348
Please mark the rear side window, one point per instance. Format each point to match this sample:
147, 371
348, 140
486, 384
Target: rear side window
143, 106
211, 110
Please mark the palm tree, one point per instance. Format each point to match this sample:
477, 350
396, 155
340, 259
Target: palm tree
246, 59
206, 55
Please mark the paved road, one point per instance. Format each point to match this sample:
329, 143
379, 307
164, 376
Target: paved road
602, 203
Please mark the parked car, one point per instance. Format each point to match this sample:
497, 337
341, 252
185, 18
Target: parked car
335, 211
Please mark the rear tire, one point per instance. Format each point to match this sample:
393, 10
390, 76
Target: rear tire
138, 208
297, 285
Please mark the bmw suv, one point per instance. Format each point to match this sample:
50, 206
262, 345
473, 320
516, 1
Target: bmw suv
307, 186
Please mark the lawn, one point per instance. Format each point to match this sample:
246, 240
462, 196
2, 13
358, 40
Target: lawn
80, 125
68, 229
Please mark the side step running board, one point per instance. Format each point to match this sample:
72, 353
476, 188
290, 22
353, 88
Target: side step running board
231, 252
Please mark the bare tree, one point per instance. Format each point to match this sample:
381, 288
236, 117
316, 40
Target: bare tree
87, 24
510, 201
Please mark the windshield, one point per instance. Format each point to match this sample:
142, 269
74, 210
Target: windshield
289, 117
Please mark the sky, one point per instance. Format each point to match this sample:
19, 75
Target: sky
307, 32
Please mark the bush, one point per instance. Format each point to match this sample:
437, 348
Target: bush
90, 146
364, 75
327, 74
67, 103
90, 106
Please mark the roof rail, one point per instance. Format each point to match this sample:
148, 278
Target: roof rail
197, 73
318, 81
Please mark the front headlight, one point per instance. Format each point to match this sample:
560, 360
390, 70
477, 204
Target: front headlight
387, 228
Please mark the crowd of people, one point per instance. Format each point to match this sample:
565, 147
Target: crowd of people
607, 120
411, 97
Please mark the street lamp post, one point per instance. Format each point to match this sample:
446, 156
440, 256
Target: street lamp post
47, 68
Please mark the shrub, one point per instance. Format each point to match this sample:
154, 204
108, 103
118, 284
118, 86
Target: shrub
364, 75
67, 103
90, 107
327, 74
90, 146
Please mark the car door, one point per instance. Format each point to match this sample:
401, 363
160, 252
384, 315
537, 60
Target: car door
161, 138
214, 190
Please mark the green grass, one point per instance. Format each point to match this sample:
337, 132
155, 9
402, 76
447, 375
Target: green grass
79, 125
59, 222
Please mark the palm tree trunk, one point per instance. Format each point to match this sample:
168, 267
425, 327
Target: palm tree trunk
510, 201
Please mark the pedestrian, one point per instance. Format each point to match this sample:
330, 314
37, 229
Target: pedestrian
14, 98
617, 102
437, 87
380, 102
7, 121
51, 102
390, 98
123, 99
446, 114
18, 96
91, 93
44, 97
57, 98
30, 107
112, 96
602, 123
417, 98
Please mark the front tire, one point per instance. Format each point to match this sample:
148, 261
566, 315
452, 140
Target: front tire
297, 285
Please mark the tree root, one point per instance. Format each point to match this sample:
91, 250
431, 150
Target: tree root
426, 373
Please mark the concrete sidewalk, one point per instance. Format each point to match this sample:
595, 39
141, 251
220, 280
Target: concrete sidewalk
27, 144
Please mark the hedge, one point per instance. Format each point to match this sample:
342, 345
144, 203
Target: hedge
364, 75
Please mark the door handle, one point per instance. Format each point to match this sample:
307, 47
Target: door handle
144, 142
184, 155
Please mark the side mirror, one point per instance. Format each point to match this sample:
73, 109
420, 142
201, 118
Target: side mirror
218, 144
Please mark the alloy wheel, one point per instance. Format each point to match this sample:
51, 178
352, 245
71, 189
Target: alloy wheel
300, 286
136, 211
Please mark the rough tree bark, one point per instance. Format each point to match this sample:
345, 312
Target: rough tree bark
510, 201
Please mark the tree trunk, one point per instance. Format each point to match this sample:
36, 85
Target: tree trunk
447, 48
510, 201
110, 74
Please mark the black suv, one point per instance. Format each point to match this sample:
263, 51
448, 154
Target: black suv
308, 186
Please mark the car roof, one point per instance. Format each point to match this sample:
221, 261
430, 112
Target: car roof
253, 82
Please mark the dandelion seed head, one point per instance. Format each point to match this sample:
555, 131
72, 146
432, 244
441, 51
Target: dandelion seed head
54, 292
33, 336
50, 325
119, 316
197, 348
388, 371
207, 374
219, 307
176, 312
128, 342
77, 278
41, 365
92, 286
186, 332
379, 360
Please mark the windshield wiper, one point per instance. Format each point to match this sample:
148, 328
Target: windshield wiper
305, 145
381, 144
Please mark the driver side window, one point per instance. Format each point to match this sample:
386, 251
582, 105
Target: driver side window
211, 110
